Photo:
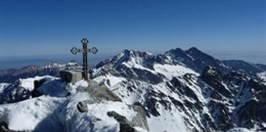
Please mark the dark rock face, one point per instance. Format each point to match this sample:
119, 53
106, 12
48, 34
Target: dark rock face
148, 76
82, 107
251, 111
175, 82
201, 60
123, 122
4, 127
254, 84
151, 104
71, 76
247, 67
66, 76
213, 77
14, 93
37, 84
36, 93
221, 115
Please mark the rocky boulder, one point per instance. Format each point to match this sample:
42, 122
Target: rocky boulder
71, 76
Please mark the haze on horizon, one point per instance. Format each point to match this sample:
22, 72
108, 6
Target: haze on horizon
226, 29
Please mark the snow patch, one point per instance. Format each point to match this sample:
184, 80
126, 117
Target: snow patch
112, 80
170, 71
29, 82
170, 121
26, 115
262, 76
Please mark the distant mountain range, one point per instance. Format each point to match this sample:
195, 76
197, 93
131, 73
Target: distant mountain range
208, 94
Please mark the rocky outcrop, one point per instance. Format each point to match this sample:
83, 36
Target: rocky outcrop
71, 76
82, 107
140, 119
37, 84
214, 78
14, 93
125, 125
99, 92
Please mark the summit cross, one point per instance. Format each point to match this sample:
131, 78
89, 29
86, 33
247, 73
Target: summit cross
84, 50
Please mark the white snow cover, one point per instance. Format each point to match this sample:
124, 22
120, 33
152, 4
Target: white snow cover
113, 80
2, 86
73, 120
138, 66
170, 121
169, 71
262, 76
28, 114
59, 113
28, 83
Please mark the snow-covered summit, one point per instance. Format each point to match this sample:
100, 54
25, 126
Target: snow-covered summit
57, 108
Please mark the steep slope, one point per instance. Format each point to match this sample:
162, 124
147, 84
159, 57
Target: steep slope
191, 86
251, 69
193, 58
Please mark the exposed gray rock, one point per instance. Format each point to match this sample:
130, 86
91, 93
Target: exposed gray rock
100, 92
71, 76
140, 119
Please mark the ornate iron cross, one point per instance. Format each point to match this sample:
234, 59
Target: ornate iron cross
84, 50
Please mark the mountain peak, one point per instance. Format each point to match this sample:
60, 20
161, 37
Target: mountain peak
194, 50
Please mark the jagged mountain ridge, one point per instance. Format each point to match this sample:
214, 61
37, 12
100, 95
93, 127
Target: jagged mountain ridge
11, 75
177, 55
208, 94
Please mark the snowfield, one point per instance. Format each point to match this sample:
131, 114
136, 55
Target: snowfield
32, 114
170, 71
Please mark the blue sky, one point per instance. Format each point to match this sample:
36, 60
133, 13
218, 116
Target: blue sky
35, 27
